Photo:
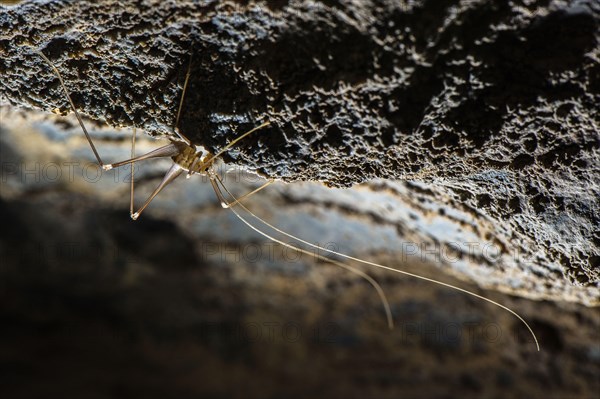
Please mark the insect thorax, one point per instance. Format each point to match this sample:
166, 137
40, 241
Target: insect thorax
189, 159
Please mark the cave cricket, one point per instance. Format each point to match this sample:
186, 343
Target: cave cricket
189, 160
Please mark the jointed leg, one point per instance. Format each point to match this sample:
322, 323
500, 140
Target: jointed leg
185, 85
234, 142
215, 180
211, 158
168, 150
62, 83
171, 175
135, 215
132, 173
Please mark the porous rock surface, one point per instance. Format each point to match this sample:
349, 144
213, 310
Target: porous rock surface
189, 302
488, 106
493, 104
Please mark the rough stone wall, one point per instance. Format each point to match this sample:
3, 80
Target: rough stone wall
189, 302
494, 103
486, 109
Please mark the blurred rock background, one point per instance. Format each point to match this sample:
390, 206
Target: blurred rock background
488, 115
188, 301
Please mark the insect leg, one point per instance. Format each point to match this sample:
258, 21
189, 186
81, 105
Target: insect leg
132, 172
234, 142
62, 83
171, 175
185, 85
224, 203
168, 150
211, 158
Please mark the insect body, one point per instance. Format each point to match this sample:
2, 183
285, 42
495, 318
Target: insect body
189, 160
185, 156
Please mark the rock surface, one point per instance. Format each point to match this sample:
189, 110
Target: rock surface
492, 103
189, 302
486, 111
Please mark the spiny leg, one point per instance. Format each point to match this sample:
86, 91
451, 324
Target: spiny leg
369, 279
365, 262
62, 83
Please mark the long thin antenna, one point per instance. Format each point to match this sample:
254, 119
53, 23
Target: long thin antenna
225, 204
372, 263
375, 284
228, 146
62, 83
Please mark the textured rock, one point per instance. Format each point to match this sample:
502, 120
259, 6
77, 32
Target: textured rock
188, 302
491, 103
